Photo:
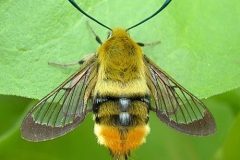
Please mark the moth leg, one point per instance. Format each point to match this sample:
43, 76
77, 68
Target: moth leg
96, 36
63, 64
84, 59
148, 44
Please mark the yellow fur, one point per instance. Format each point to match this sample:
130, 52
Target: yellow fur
121, 67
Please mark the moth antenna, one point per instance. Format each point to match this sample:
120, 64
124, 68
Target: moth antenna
154, 14
78, 8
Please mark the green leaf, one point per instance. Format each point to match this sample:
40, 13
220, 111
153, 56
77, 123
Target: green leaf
199, 41
199, 48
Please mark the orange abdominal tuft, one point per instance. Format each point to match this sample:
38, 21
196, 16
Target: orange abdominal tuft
121, 141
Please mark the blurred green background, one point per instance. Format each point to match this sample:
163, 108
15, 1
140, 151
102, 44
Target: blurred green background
199, 48
162, 143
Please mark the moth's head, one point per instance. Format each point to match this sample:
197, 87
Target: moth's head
118, 32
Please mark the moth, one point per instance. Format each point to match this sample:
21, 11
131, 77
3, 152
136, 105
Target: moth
120, 85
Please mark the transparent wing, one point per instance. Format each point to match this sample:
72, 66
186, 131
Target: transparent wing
63, 109
176, 106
